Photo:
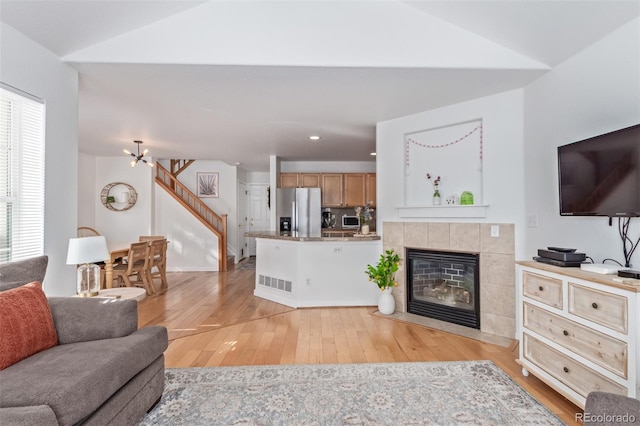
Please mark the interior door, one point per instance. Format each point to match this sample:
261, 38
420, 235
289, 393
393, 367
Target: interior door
243, 221
259, 211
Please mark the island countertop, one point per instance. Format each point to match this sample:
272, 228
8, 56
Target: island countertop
324, 236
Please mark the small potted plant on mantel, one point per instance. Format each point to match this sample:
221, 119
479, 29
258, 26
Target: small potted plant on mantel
383, 274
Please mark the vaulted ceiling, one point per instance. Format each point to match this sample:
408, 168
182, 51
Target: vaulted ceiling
241, 80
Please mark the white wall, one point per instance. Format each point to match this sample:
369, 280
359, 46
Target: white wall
258, 177
87, 204
121, 228
29, 67
594, 92
503, 177
328, 166
192, 246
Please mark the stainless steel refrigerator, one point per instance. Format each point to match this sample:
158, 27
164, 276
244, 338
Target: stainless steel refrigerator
298, 210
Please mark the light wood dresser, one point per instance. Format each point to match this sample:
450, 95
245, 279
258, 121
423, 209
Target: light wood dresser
578, 331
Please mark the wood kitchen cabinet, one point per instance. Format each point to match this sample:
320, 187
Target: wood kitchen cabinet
288, 180
300, 180
370, 189
332, 189
355, 189
359, 189
309, 180
338, 189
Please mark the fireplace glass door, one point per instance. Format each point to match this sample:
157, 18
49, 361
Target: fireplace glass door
444, 286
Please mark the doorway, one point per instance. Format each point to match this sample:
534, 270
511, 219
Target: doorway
258, 210
243, 222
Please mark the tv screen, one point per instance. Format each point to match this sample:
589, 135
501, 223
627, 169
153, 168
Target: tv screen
600, 176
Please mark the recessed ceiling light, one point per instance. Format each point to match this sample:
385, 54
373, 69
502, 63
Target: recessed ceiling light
373, 153
314, 137
238, 163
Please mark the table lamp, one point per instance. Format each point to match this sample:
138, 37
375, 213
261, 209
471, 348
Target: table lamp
83, 252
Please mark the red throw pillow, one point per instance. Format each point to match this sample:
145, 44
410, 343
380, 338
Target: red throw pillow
26, 324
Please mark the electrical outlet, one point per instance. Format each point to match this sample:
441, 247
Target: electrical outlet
309, 281
532, 221
495, 230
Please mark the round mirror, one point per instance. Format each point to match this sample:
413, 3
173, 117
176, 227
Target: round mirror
118, 196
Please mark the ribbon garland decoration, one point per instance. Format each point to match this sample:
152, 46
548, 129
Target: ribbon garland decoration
424, 145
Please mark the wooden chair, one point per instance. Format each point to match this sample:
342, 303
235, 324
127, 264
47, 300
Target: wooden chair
151, 237
85, 231
158, 260
137, 263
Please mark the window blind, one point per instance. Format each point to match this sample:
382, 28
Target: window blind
22, 119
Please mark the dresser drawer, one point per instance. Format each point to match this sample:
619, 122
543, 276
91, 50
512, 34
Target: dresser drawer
604, 350
598, 306
568, 371
543, 289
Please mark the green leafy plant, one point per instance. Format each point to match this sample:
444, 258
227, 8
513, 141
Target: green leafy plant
383, 273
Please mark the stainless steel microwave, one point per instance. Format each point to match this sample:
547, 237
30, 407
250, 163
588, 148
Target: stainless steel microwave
350, 222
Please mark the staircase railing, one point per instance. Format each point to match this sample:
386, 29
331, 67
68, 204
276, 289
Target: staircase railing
217, 224
177, 166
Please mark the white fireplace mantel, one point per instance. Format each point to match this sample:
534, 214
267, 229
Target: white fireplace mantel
446, 211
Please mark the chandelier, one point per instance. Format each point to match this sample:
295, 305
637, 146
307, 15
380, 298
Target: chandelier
139, 156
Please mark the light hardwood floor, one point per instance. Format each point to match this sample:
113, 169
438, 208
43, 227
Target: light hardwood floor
214, 320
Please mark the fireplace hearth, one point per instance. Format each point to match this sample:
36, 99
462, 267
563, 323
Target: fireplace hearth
444, 285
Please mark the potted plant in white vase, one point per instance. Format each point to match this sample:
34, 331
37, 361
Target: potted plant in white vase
383, 274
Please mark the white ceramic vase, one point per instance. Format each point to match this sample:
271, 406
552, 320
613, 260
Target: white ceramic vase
364, 229
386, 302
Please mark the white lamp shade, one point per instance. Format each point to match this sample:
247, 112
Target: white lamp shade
87, 250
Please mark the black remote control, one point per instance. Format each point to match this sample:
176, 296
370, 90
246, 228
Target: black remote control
562, 249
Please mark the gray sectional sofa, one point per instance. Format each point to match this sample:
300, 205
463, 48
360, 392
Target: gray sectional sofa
102, 371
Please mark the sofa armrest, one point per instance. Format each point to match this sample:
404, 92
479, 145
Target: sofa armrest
41, 415
79, 319
604, 408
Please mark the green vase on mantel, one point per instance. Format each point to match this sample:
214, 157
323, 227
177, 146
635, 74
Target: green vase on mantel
436, 198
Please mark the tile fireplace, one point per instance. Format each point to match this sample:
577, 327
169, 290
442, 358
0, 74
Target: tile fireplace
496, 265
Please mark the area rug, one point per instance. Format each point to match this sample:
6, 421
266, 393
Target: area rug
431, 393
247, 264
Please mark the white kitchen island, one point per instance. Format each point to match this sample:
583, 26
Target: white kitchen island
315, 271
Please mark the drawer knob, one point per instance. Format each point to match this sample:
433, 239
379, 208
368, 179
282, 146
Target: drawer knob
565, 332
541, 288
594, 305
565, 369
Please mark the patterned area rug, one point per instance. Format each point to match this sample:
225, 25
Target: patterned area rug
431, 393
247, 264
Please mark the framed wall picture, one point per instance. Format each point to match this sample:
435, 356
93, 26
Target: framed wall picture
208, 185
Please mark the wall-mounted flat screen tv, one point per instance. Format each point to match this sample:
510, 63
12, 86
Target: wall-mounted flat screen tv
600, 176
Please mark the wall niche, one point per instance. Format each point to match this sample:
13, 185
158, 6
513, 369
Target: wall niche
453, 152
